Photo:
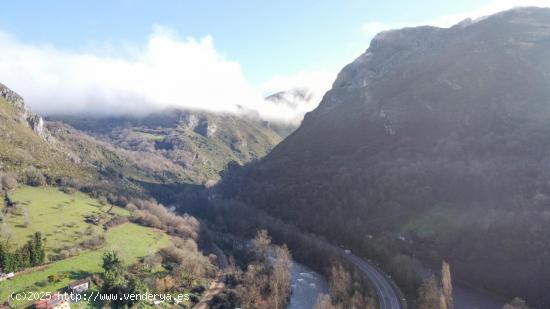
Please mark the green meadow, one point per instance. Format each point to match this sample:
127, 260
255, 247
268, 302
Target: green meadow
61, 218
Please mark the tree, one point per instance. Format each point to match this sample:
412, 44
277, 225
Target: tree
111, 262
117, 280
429, 295
261, 242
341, 285
447, 285
36, 250
280, 277
324, 302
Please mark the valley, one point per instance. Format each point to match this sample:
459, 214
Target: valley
420, 181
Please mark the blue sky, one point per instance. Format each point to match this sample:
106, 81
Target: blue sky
265, 37
258, 46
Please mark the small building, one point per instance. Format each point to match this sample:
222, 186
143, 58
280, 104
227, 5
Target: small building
79, 286
57, 301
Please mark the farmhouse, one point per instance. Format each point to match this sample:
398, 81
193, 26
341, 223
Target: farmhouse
79, 286
57, 301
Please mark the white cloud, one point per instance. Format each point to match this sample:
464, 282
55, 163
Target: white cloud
316, 83
165, 72
373, 27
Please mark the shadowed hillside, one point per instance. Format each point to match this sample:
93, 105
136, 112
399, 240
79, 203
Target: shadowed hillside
435, 142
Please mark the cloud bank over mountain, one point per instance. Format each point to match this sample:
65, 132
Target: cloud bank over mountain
166, 72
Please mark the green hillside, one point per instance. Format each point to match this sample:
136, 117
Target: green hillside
61, 218
21, 148
58, 191
199, 144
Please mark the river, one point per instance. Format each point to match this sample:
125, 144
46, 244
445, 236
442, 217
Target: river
306, 286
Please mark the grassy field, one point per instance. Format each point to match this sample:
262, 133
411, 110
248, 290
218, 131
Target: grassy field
131, 241
60, 217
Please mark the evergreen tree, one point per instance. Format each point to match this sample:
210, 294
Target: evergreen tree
111, 262
37, 252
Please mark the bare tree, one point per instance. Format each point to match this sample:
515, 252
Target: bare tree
447, 285
429, 295
281, 276
341, 284
261, 242
324, 302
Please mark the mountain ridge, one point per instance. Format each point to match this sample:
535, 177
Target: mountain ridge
437, 134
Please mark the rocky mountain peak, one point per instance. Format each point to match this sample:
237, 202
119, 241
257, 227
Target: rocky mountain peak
199, 123
12, 97
447, 77
24, 115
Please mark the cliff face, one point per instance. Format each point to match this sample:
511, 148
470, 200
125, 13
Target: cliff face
438, 134
429, 80
25, 116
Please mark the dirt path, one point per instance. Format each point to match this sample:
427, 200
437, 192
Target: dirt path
217, 286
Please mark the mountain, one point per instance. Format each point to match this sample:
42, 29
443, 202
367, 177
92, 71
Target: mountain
26, 144
434, 142
199, 144
51, 234
292, 98
62, 155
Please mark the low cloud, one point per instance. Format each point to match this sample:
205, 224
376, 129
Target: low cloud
166, 72
314, 83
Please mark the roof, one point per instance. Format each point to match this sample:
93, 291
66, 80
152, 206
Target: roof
54, 300
77, 283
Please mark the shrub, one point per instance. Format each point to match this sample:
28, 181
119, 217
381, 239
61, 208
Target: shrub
54, 278
35, 178
9, 182
117, 220
94, 242
68, 190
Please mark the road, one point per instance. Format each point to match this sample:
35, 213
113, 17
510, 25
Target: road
388, 298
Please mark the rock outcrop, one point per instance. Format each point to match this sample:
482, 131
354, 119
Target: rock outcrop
25, 116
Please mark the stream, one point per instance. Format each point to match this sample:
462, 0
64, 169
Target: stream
306, 286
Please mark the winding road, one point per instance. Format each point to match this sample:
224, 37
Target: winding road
388, 298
